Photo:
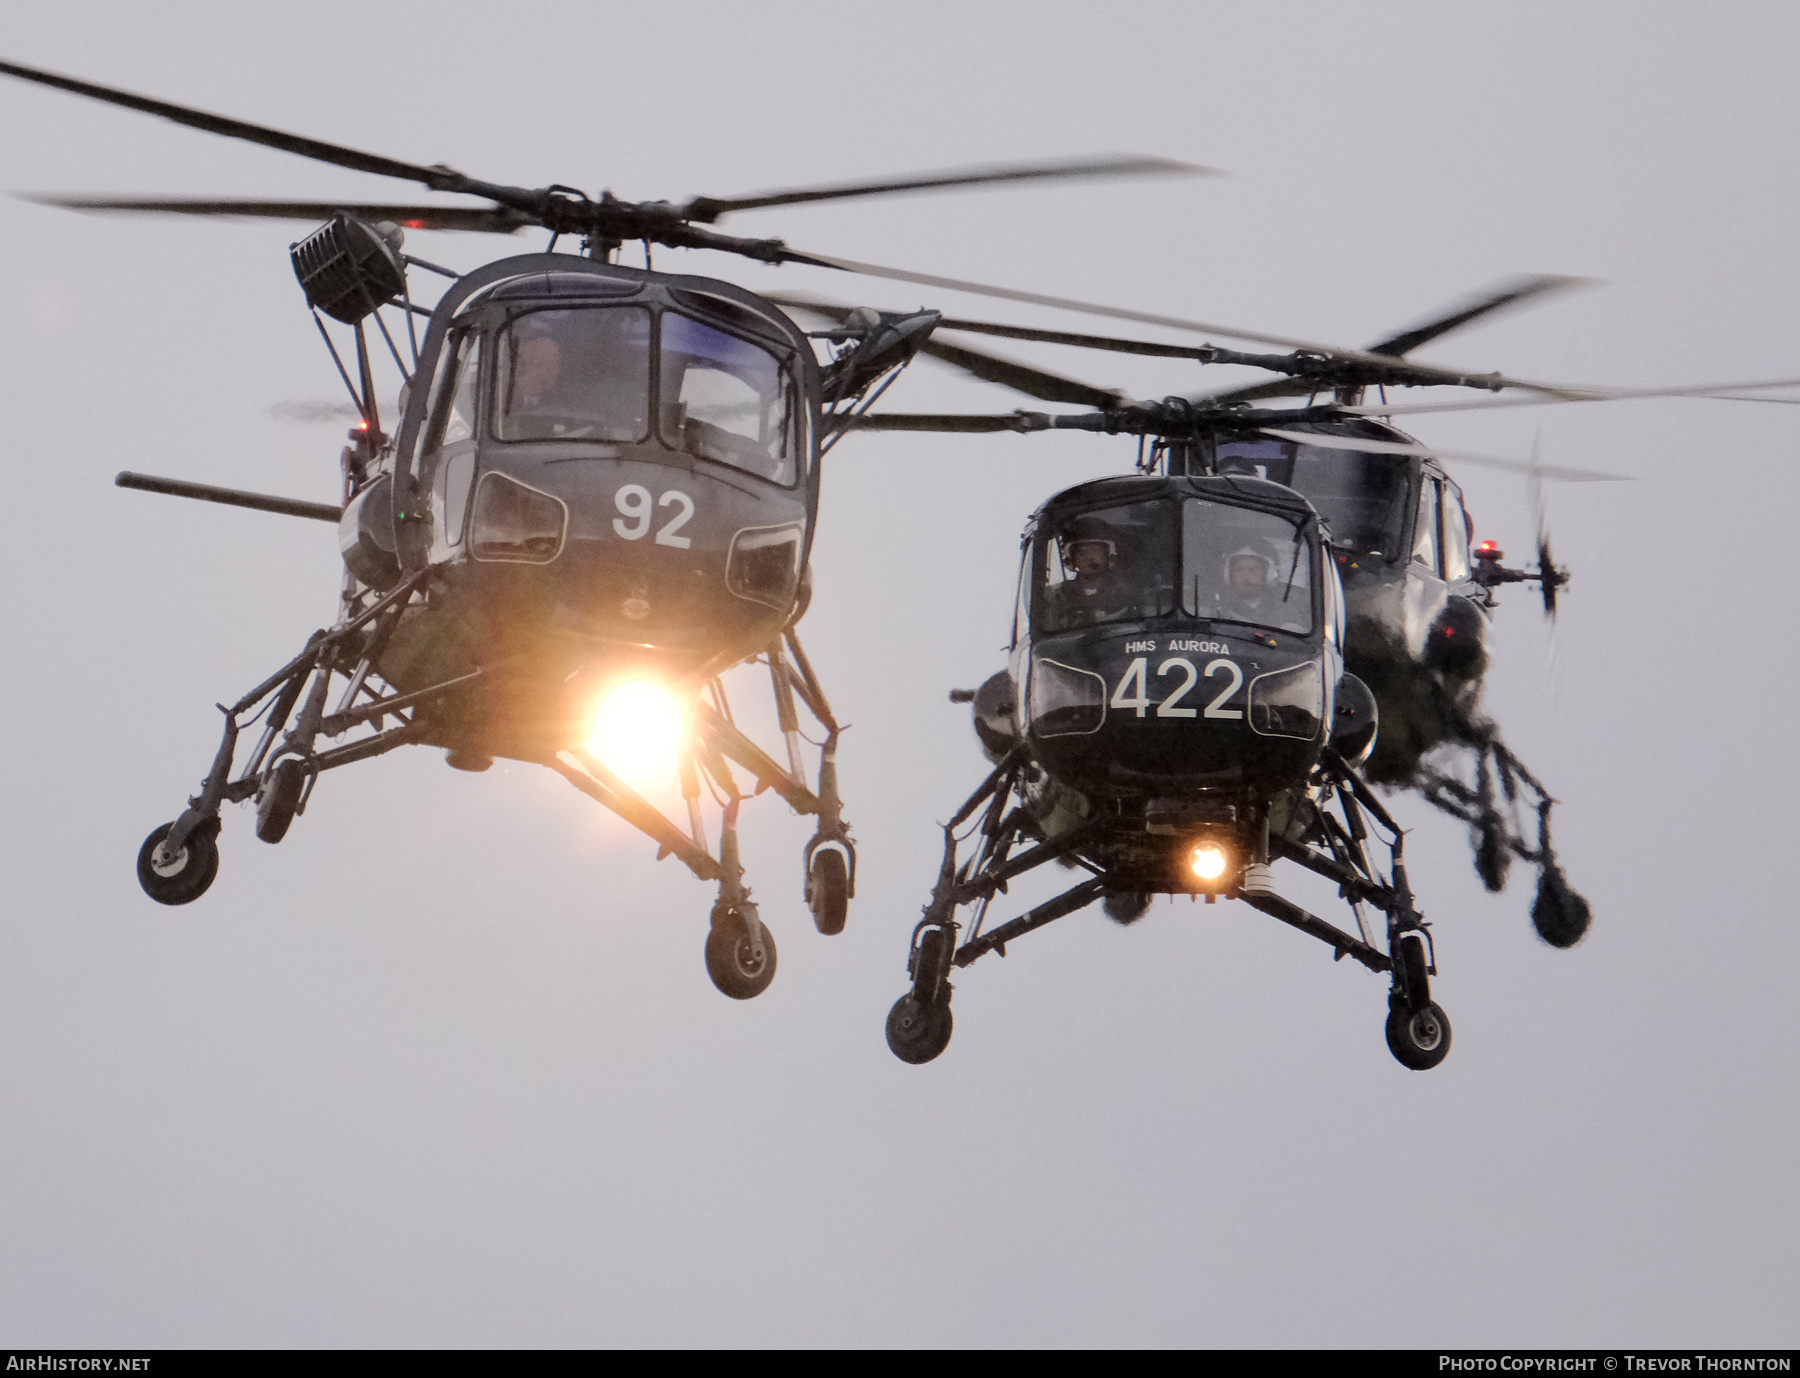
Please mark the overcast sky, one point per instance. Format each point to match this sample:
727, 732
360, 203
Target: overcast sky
445, 1067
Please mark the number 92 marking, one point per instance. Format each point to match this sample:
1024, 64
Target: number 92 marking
1136, 679
634, 501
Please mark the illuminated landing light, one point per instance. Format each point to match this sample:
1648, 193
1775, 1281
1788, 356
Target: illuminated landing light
638, 731
1208, 861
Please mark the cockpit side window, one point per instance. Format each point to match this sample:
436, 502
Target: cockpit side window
727, 400
1245, 565
458, 350
1112, 565
1425, 533
1456, 535
581, 374
459, 416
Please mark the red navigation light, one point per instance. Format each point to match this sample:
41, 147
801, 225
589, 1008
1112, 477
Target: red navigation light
1487, 550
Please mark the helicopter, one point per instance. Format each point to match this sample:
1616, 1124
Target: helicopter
598, 497
1214, 659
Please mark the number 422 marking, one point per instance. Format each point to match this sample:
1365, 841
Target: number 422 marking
1136, 678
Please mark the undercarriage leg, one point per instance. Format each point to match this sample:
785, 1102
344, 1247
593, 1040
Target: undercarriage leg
829, 861
740, 951
1418, 1031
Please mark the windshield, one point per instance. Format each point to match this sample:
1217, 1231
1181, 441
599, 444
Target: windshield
725, 399
1242, 565
1106, 566
575, 375
1362, 497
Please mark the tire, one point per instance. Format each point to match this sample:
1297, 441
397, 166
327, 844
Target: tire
828, 891
731, 956
917, 1033
1560, 916
1419, 1041
280, 799
1126, 907
931, 964
185, 877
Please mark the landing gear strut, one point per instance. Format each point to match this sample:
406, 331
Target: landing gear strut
1332, 837
740, 952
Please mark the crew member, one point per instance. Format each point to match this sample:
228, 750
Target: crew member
1092, 591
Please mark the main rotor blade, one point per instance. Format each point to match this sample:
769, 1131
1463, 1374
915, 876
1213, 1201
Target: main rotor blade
1257, 392
707, 209
1020, 377
1446, 375
489, 219
990, 368
1393, 447
1508, 293
1076, 341
937, 421
439, 178
1716, 392
1018, 332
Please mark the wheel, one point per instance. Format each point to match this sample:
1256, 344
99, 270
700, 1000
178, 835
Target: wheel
917, 1033
931, 964
1420, 1041
1560, 916
1126, 907
740, 954
279, 800
828, 890
184, 877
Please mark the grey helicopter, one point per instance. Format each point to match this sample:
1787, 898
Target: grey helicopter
1214, 660
598, 495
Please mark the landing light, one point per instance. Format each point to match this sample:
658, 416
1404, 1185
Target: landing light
1208, 861
638, 732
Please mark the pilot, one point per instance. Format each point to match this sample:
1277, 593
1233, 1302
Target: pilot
536, 375
553, 396
1254, 593
1094, 593
536, 406
1246, 597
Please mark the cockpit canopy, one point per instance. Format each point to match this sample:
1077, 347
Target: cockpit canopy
1362, 496
627, 372
1212, 560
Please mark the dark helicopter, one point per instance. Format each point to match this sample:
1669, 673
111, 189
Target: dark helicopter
1215, 658
598, 497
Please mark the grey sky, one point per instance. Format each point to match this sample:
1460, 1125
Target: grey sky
445, 1068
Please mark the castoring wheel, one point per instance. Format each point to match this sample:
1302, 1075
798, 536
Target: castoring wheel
1420, 1041
917, 1033
828, 890
279, 799
740, 954
184, 876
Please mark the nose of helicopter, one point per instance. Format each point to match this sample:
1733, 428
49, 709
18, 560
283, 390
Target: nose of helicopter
1132, 714
640, 552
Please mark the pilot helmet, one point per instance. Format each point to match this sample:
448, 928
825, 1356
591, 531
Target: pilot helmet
1265, 565
1088, 530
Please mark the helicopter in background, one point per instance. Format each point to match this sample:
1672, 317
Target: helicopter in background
599, 496
1214, 659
